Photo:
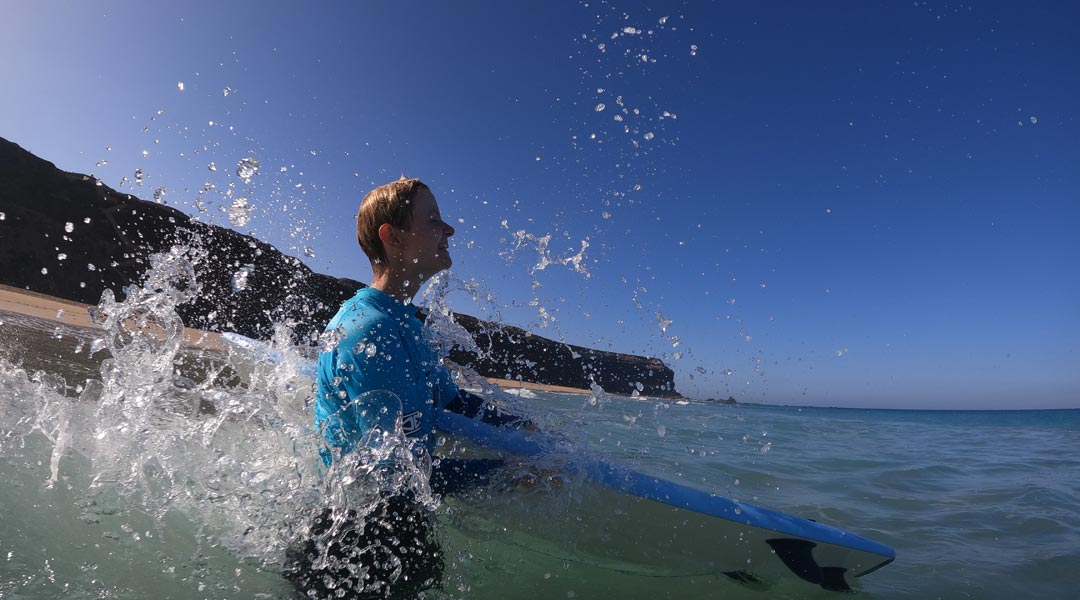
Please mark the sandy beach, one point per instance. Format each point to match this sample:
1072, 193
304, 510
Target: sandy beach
75, 314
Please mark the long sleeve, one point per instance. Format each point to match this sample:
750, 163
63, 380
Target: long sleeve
362, 387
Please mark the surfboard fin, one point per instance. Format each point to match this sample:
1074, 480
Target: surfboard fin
797, 556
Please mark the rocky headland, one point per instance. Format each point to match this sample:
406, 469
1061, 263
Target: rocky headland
71, 236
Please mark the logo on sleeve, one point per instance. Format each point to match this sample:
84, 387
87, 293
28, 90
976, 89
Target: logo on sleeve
410, 423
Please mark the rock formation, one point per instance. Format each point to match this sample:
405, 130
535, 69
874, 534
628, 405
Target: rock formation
68, 235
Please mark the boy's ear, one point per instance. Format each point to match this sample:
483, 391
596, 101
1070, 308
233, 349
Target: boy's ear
389, 236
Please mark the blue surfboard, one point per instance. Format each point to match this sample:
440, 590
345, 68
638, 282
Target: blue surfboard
627, 521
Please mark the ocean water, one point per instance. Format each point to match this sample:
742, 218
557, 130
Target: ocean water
132, 468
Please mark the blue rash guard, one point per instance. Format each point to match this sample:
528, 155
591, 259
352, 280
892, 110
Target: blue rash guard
382, 348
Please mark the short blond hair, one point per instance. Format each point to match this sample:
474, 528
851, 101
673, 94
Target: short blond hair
389, 203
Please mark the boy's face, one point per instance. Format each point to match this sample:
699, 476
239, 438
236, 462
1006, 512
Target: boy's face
426, 250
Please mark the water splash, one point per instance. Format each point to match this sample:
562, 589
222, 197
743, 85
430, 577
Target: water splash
440, 329
523, 239
227, 447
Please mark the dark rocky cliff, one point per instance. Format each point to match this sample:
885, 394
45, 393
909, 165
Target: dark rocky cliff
112, 234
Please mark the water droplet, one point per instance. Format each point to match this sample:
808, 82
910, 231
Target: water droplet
180, 85
1034, 120
212, 166
328, 340
663, 321
309, 252
159, 195
86, 220
44, 271
370, 350
663, 20
661, 431
600, 107
101, 163
61, 256
240, 278
145, 153
97, 345
138, 175
60, 314
2, 216
228, 90
247, 168
69, 227
240, 212
693, 49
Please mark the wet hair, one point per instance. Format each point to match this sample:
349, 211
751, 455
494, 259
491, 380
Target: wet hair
389, 203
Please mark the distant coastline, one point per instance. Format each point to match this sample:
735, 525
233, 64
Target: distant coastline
75, 314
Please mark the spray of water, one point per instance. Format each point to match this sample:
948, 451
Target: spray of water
231, 450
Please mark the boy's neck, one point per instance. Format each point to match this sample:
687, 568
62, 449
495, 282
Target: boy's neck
395, 284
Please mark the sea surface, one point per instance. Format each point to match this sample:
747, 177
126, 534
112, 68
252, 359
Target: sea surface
132, 468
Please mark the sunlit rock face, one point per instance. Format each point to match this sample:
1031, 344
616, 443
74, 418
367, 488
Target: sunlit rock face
69, 235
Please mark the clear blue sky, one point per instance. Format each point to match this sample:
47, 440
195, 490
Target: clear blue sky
835, 203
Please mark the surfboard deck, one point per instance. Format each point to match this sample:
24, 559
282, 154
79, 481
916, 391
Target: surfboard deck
611, 517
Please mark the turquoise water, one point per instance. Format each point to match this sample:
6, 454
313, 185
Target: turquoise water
121, 482
977, 504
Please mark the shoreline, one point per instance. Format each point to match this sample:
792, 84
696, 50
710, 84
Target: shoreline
75, 314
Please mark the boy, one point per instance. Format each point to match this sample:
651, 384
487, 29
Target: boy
378, 347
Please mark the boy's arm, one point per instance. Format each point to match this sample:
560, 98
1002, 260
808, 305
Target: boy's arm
362, 382
472, 406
